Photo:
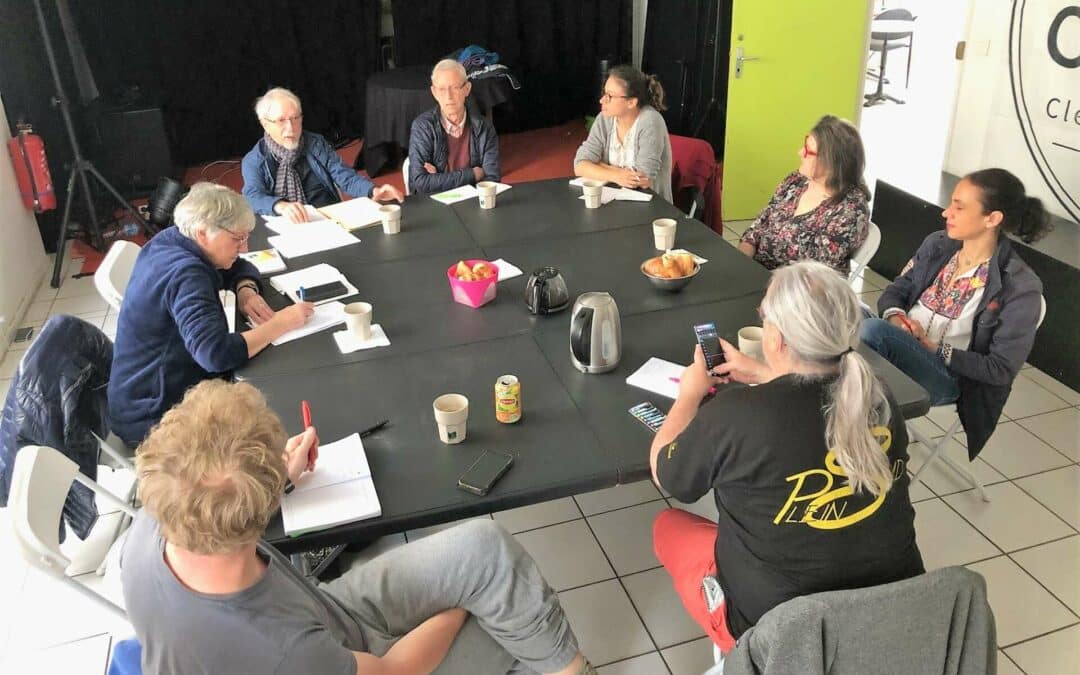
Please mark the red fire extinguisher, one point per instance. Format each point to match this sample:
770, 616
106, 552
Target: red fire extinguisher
32, 169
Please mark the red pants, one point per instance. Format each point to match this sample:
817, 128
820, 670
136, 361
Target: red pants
684, 544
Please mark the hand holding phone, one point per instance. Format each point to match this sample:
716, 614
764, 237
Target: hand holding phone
709, 340
482, 474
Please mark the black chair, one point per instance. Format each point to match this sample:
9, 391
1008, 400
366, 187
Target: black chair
884, 42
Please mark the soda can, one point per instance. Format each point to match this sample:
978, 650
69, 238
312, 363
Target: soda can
507, 399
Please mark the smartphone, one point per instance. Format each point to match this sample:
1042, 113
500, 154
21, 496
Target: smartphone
321, 292
482, 474
649, 415
709, 340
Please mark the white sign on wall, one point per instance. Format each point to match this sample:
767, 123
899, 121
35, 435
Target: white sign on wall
1044, 73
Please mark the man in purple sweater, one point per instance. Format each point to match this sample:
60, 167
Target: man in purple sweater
172, 332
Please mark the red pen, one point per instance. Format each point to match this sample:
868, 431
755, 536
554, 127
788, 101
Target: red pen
712, 390
305, 411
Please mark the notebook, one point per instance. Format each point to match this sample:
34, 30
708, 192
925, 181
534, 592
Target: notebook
311, 238
340, 490
353, 214
657, 375
267, 262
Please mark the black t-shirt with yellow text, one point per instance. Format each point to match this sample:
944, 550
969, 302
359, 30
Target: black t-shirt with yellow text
789, 525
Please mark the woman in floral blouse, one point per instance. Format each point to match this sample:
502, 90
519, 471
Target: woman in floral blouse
819, 212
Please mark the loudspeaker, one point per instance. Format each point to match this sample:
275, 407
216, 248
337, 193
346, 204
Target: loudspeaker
132, 147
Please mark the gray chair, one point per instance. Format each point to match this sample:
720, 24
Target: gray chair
884, 42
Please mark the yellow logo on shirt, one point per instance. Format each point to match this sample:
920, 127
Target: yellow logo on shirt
815, 503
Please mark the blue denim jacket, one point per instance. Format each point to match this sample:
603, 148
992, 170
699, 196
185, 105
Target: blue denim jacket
427, 143
259, 167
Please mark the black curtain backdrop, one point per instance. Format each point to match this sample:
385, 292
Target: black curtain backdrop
554, 46
203, 61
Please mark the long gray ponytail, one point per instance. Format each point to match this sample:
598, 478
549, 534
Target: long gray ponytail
819, 317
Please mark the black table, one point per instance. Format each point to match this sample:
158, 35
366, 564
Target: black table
394, 99
576, 435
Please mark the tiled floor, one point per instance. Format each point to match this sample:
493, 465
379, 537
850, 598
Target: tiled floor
595, 548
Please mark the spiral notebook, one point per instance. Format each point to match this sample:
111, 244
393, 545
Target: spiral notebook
340, 490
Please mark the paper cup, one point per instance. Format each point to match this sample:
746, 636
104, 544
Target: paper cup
750, 341
663, 230
592, 189
391, 218
488, 191
451, 414
358, 319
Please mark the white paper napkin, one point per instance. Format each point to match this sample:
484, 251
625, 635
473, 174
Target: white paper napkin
347, 341
506, 270
698, 259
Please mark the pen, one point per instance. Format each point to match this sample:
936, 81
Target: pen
305, 411
372, 429
301, 293
712, 390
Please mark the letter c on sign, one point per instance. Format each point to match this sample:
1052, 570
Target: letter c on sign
1052, 38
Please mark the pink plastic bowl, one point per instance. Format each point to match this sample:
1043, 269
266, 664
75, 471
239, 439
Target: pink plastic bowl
472, 293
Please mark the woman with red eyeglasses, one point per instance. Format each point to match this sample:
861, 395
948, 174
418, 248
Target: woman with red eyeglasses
821, 211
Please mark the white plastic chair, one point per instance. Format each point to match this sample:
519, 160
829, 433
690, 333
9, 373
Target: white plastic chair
111, 277
40, 482
405, 175
865, 252
937, 450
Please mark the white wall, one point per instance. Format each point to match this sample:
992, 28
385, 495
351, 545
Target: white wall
986, 131
22, 257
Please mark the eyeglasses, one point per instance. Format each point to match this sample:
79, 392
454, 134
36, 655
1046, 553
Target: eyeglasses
607, 96
284, 120
239, 238
806, 151
454, 88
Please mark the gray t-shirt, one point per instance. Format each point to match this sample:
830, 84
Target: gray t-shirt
282, 624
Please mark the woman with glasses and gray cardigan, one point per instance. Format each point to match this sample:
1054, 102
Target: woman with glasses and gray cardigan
628, 143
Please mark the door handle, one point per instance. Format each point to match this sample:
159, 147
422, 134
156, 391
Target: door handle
739, 59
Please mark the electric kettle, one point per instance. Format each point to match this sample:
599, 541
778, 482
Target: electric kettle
545, 291
595, 333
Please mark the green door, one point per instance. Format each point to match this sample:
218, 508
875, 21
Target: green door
802, 59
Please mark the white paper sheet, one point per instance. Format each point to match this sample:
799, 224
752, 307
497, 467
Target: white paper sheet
325, 316
655, 376
312, 238
282, 225
309, 277
698, 259
340, 490
610, 194
464, 192
506, 270
347, 341
353, 214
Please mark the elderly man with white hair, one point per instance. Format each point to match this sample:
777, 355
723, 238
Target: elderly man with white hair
448, 147
290, 167
172, 331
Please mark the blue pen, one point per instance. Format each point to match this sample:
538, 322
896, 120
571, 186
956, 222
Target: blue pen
301, 292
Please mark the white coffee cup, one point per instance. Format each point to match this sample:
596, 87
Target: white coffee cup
391, 218
488, 190
592, 189
750, 341
451, 414
663, 230
358, 319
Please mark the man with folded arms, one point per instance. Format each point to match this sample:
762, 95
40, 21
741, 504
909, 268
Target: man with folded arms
205, 595
290, 167
448, 147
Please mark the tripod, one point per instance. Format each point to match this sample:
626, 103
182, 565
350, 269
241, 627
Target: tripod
80, 166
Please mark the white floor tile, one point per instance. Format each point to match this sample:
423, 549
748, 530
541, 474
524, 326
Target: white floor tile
1005, 666
1022, 608
925, 426
1011, 519
1055, 387
918, 492
607, 627
941, 478
1057, 490
626, 536
73, 288
692, 658
876, 279
861, 285
1052, 654
81, 305
40, 623
660, 608
538, 515
944, 416
945, 539
9, 364
1028, 398
1060, 429
617, 497
88, 656
567, 554
36, 313
414, 535
1055, 565
1014, 451
647, 664
45, 292
871, 299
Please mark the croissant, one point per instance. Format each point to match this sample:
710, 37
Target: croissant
685, 261
655, 267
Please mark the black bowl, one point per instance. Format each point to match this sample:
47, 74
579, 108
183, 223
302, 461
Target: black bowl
670, 285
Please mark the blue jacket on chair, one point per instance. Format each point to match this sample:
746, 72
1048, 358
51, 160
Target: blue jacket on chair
428, 143
172, 332
258, 168
57, 399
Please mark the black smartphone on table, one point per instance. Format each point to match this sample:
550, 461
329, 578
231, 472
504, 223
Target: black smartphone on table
334, 289
482, 474
709, 340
